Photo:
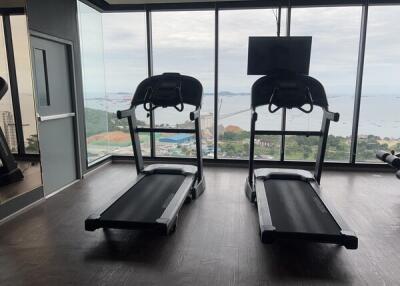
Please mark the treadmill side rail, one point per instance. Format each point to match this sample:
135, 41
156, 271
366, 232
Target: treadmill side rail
350, 239
169, 216
267, 230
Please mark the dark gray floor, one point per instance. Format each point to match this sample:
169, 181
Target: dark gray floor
32, 180
216, 242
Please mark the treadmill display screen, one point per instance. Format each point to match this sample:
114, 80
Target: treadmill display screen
272, 54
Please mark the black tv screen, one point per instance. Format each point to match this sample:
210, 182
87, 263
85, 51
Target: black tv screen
271, 54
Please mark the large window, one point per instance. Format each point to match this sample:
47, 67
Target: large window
235, 27
379, 124
125, 58
115, 59
114, 62
335, 39
94, 88
184, 42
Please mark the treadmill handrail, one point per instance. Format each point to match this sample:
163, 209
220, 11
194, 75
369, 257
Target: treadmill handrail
164, 130
328, 116
134, 131
333, 116
176, 203
195, 114
124, 113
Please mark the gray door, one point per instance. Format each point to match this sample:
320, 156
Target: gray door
56, 114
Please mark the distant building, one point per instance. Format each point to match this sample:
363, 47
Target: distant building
207, 121
221, 130
9, 129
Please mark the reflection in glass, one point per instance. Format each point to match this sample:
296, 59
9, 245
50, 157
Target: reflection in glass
24, 81
94, 88
183, 42
6, 109
31, 170
379, 122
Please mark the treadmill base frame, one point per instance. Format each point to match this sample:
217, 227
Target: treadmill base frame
198, 189
11, 177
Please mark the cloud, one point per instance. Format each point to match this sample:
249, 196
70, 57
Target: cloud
184, 41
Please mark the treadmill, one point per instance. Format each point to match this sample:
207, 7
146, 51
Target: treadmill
153, 199
9, 171
289, 202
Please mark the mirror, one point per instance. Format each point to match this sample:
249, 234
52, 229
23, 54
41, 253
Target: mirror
20, 171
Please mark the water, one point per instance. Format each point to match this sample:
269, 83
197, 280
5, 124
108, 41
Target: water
379, 113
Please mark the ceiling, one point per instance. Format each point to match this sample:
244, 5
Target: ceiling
161, 1
12, 3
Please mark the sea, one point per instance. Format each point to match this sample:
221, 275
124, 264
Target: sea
379, 114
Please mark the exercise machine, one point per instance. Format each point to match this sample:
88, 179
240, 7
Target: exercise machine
9, 171
153, 199
289, 202
391, 158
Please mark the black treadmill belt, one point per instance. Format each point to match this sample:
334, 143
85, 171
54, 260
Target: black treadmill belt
146, 200
295, 207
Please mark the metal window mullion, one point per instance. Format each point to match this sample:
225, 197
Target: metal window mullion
13, 84
149, 37
216, 47
283, 122
359, 79
278, 32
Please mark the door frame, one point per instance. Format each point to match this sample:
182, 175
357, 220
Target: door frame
73, 90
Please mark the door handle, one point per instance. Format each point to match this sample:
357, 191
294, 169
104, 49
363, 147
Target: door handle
54, 117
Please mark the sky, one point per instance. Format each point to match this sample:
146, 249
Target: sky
184, 41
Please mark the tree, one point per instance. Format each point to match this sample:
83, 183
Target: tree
33, 145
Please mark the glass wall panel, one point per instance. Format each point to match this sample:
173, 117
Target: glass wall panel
335, 35
183, 41
125, 58
114, 59
24, 81
379, 126
94, 88
6, 109
235, 27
